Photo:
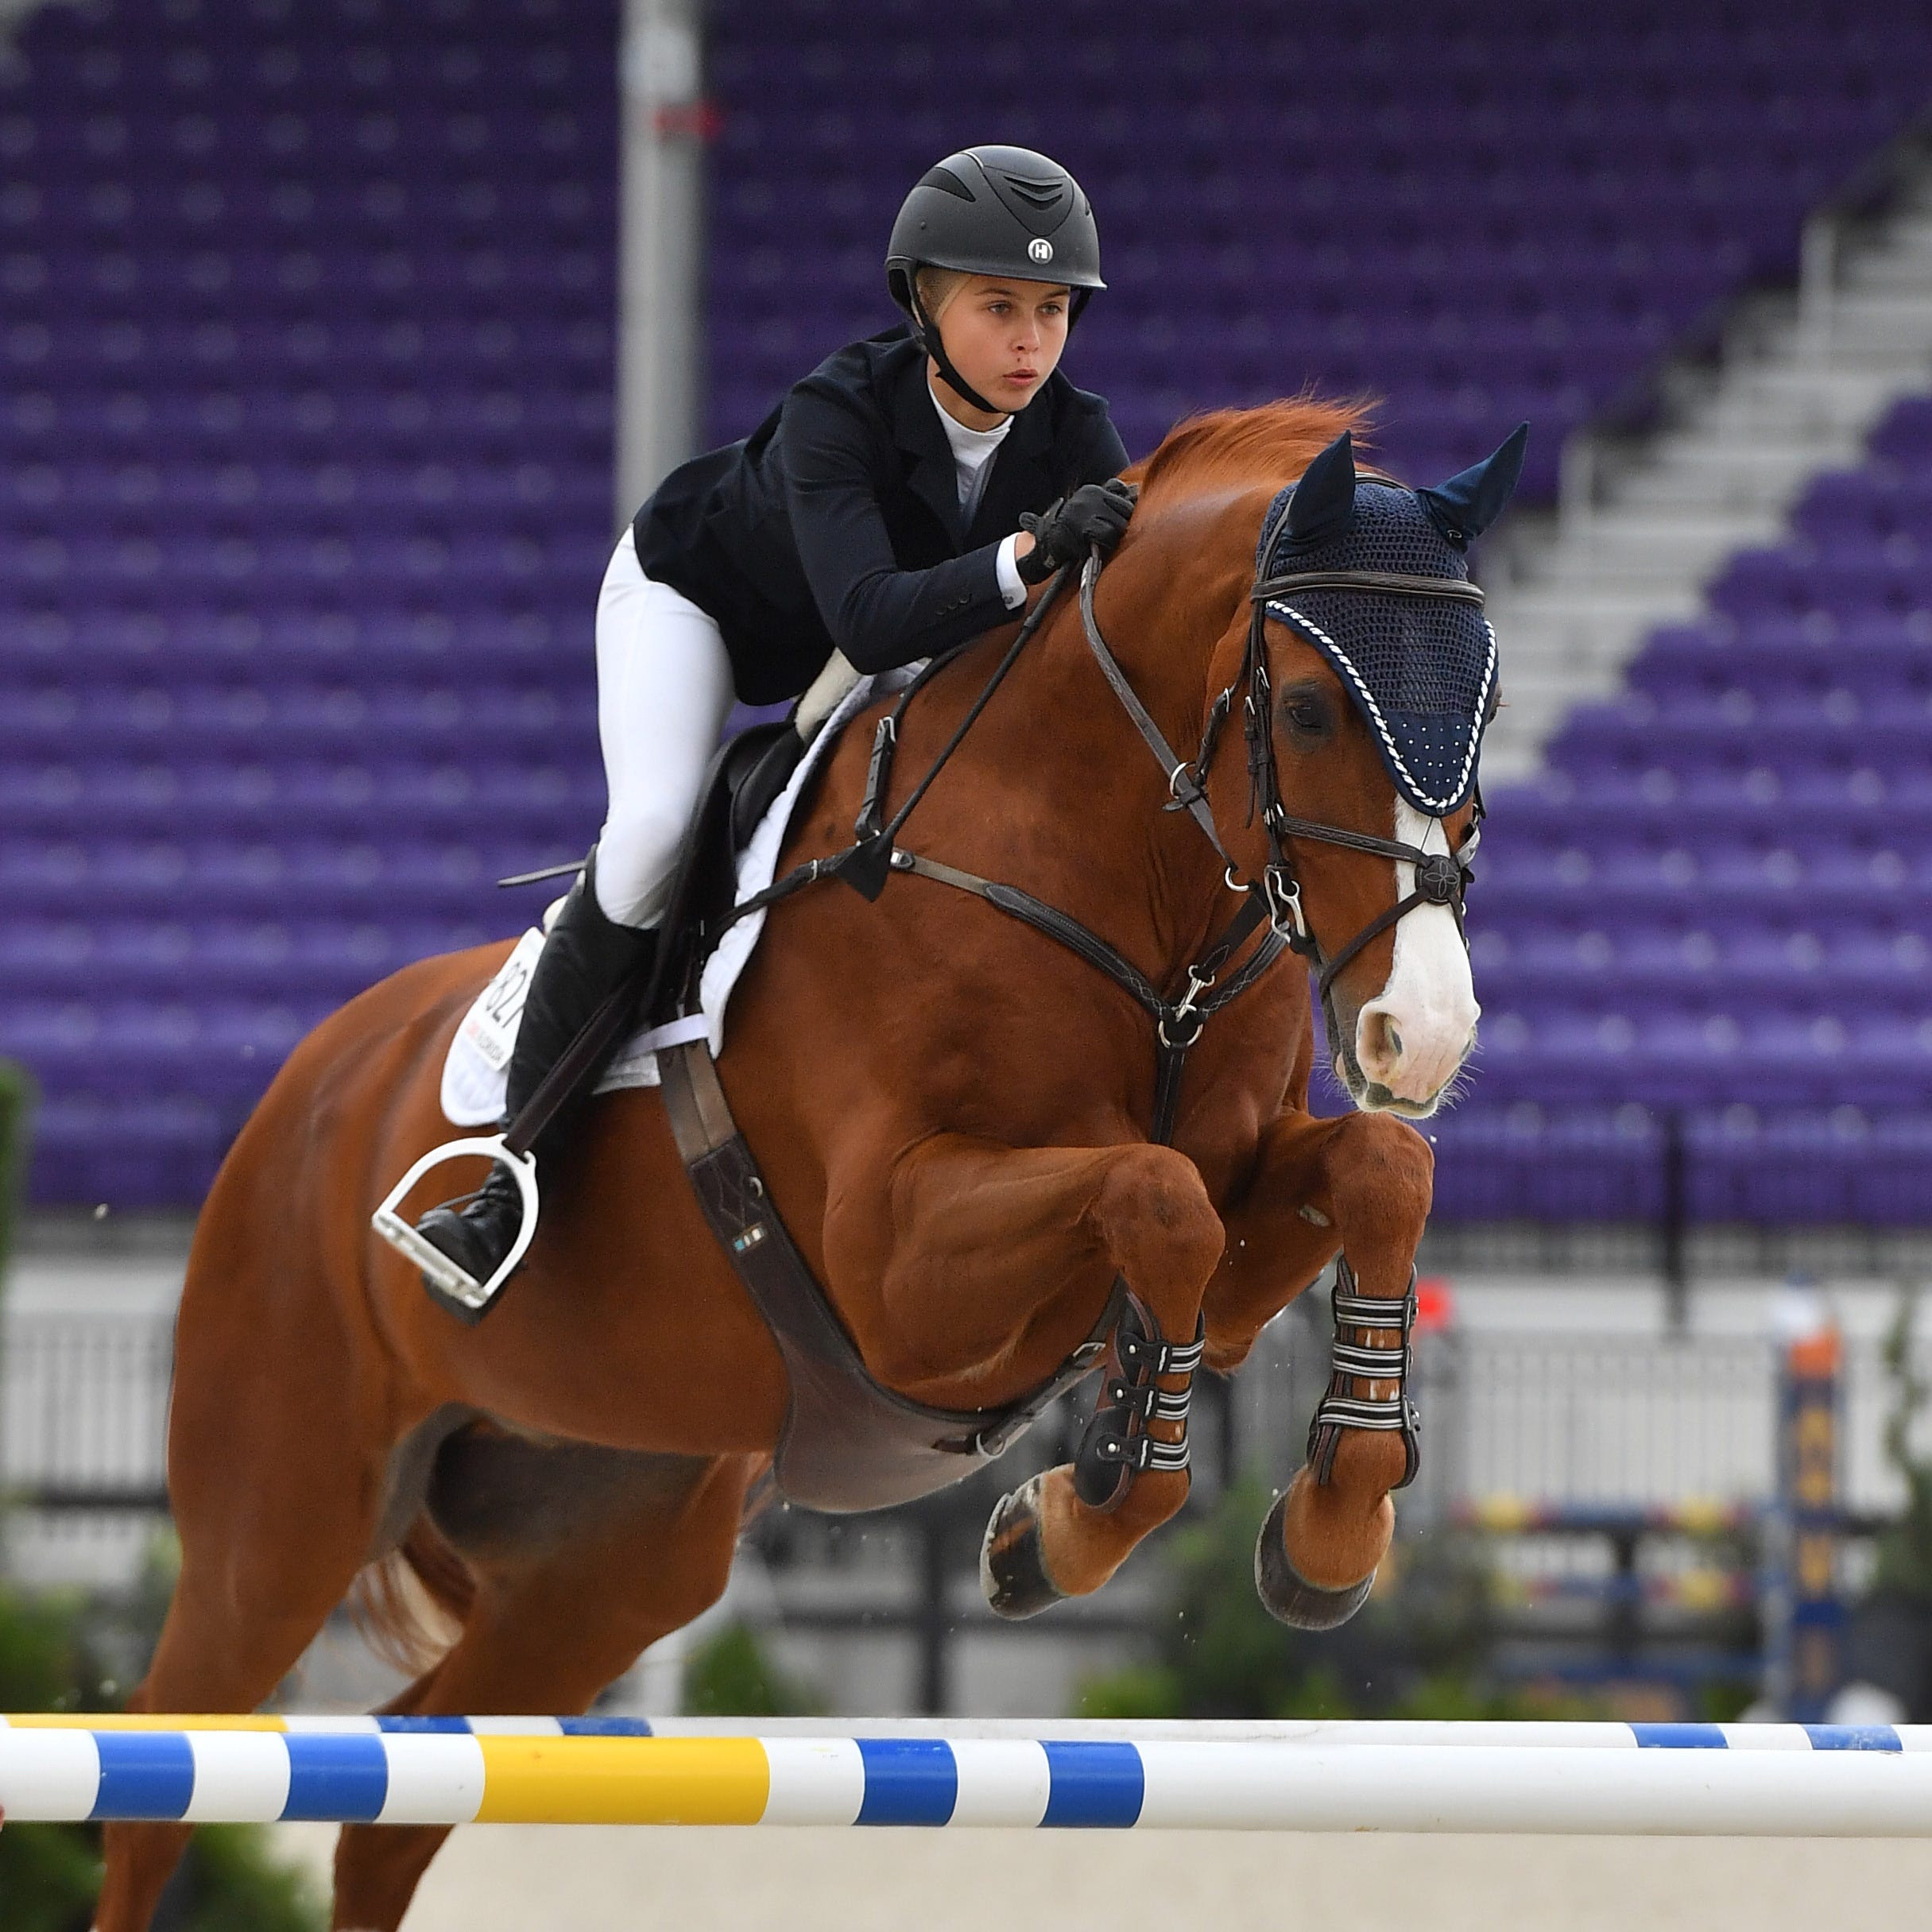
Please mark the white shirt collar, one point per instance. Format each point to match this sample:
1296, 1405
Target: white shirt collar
968, 445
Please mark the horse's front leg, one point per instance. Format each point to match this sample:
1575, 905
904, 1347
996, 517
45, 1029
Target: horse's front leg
1362, 1182
987, 1239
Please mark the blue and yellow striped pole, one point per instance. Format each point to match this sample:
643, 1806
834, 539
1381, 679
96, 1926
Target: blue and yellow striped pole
1780, 1780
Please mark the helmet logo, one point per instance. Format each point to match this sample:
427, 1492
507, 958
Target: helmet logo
1041, 249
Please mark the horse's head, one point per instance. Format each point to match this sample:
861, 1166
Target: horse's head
1378, 671
1361, 675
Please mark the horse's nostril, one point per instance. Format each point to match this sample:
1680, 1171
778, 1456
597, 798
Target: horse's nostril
1381, 1044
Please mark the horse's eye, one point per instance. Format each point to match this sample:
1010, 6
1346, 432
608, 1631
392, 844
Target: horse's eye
1305, 714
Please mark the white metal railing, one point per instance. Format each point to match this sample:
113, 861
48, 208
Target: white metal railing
1554, 1417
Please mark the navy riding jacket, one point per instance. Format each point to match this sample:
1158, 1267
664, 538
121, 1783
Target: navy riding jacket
837, 522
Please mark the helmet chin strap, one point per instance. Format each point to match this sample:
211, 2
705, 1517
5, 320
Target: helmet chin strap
933, 344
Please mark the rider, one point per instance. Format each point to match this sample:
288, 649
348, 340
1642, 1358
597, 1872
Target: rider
898, 501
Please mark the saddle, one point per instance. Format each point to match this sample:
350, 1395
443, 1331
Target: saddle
746, 774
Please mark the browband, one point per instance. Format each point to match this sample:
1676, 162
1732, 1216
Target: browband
1391, 581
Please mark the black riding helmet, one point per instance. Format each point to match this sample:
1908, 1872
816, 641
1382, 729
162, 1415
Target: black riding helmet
992, 211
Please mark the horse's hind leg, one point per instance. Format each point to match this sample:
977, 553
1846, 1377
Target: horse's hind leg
276, 1506
234, 1631
582, 1557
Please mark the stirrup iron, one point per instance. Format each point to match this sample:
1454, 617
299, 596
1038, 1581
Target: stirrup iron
387, 1221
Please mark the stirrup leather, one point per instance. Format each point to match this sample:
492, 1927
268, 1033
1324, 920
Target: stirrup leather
388, 1222
1339, 1409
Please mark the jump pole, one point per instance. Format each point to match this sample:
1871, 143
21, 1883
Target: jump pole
1782, 1781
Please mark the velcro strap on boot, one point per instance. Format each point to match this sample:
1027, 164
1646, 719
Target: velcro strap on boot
1117, 1445
1351, 1361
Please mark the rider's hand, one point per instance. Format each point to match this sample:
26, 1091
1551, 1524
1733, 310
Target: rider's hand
1096, 513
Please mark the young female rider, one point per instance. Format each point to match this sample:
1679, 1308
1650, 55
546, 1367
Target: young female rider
877, 513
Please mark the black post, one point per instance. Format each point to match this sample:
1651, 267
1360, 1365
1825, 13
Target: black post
1624, 1625
933, 1523
1675, 1229
1228, 1444
17, 1098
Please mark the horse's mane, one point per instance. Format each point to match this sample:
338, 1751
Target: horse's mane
1271, 442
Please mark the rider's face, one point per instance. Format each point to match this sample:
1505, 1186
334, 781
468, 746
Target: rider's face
1006, 337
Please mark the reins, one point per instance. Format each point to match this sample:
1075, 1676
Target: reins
1271, 905
874, 855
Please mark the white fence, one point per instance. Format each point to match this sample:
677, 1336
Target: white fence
1554, 1417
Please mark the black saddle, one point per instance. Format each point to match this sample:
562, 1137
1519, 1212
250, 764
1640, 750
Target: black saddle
742, 783
744, 780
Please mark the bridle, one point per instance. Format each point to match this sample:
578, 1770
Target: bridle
1441, 878
1270, 906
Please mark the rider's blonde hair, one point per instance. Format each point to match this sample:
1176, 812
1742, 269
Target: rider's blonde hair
937, 287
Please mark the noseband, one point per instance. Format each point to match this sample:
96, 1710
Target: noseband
1441, 878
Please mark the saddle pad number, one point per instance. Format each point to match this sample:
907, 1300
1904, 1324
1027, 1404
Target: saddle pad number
491, 1024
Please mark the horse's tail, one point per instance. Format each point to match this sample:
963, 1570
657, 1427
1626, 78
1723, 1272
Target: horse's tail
411, 1604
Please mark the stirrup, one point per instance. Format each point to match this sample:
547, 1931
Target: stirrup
473, 1295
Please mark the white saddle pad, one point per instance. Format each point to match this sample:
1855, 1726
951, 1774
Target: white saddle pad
473, 1081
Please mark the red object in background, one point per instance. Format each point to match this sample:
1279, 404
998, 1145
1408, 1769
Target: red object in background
690, 120
1435, 1304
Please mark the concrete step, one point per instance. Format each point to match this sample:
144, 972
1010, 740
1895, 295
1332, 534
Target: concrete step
1736, 475
1618, 557
1910, 231
1529, 681
1904, 274
1640, 526
1807, 390
1604, 600
1861, 323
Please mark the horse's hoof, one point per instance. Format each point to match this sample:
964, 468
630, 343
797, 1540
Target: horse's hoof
1013, 1567
1291, 1598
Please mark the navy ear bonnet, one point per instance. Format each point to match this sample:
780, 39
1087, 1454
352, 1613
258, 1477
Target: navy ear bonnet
1421, 667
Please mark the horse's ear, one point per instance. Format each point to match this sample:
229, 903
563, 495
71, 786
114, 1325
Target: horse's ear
1465, 506
1324, 497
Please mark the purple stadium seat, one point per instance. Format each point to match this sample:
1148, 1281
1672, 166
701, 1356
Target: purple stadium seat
1774, 753
305, 449
305, 398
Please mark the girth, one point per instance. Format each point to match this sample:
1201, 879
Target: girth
848, 1442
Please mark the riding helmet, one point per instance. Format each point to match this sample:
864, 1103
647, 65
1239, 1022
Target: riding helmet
995, 212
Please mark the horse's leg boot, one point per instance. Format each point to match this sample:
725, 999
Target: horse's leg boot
586, 957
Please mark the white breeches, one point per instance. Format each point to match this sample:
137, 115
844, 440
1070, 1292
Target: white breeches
663, 692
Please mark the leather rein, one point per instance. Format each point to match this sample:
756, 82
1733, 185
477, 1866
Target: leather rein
1271, 905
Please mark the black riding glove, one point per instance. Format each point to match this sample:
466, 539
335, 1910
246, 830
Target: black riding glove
1096, 513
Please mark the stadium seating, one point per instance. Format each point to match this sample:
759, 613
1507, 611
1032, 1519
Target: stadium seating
1717, 903
306, 312
1484, 213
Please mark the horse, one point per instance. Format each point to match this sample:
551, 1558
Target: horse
952, 1115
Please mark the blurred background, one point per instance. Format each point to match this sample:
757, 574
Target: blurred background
338, 338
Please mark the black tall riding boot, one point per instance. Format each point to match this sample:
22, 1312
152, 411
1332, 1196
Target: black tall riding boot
586, 956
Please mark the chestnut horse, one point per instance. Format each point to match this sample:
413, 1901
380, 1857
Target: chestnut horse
952, 1112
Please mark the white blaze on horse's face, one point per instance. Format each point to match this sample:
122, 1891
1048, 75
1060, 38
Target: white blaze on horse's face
1412, 1037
